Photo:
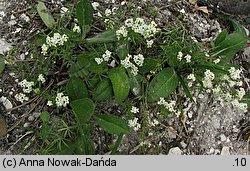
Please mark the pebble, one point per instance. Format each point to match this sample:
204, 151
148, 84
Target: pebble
223, 138
225, 151
183, 144
175, 151
31, 118
7, 104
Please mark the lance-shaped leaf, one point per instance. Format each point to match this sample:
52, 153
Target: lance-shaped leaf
113, 124
104, 37
163, 84
120, 83
45, 15
2, 65
84, 15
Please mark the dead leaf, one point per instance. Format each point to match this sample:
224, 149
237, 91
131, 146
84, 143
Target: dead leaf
3, 127
193, 2
203, 9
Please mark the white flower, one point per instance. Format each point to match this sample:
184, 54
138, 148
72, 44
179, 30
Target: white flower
61, 100
108, 12
134, 70
209, 75
133, 124
44, 49
149, 43
21, 97
238, 105
41, 78
180, 56
154, 123
106, 56
129, 22
162, 101
134, 109
191, 77
122, 32
188, 58
26, 85
50, 103
240, 93
98, 60
183, 11
57, 39
139, 59
216, 61
76, 29
95, 5
64, 10
235, 74
126, 62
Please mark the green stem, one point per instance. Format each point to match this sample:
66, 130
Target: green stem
117, 143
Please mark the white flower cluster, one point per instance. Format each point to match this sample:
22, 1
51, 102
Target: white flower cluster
138, 26
76, 28
41, 78
154, 123
134, 109
145, 143
207, 80
26, 85
105, 57
234, 73
138, 59
187, 57
227, 93
192, 79
134, 124
95, 5
170, 106
61, 100
54, 41
21, 97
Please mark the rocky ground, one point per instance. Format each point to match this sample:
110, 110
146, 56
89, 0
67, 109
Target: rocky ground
215, 129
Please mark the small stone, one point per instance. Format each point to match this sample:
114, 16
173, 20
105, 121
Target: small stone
211, 151
36, 114
31, 118
183, 144
25, 17
223, 138
26, 125
7, 104
175, 151
225, 151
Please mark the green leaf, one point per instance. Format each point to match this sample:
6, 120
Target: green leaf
232, 44
2, 65
238, 28
84, 15
84, 145
148, 65
87, 61
222, 36
45, 15
120, 83
185, 87
45, 116
77, 71
162, 85
104, 37
76, 89
113, 124
83, 109
103, 90
122, 51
